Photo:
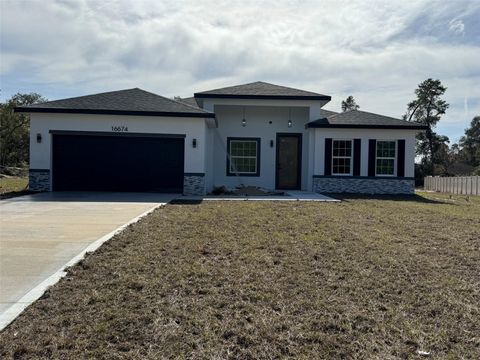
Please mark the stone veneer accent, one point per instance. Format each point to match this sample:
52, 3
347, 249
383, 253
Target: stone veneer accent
194, 184
39, 180
363, 185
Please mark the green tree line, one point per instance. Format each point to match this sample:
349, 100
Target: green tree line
15, 129
437, 156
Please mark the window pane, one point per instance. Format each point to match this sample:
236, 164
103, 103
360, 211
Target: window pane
341, 166
251, 148
243, 156
386, 149
348, 148
342, 148
243, 148
385, 166
235, 148
243, 165
342, 153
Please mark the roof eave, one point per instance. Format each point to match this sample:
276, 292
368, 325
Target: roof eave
263, 97
21, 109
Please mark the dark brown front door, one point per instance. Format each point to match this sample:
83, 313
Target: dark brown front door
289, 161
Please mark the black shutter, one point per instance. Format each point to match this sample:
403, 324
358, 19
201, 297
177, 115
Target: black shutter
357, 155
328, 157
401, 158
372, 149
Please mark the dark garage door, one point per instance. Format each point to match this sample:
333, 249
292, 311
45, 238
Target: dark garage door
117, 163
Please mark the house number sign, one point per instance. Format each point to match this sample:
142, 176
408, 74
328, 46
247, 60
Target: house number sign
120, 128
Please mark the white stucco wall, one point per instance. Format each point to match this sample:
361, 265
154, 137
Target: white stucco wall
40, 154
210, 154
365, 134
257, 125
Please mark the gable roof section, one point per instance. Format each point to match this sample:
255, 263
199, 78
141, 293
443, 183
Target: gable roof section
261, 90
363, 119
189, 101
123, 102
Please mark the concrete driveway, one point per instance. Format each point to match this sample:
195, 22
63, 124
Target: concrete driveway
41, 233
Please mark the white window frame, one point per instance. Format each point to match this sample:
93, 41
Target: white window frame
232, 170
387, 158
343, 157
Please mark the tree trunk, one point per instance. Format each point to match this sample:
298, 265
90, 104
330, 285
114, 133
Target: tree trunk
430, 148
413, 112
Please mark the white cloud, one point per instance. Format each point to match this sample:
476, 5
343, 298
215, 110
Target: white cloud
377, 51
456, 26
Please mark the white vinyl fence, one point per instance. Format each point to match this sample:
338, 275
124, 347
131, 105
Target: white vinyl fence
467, 185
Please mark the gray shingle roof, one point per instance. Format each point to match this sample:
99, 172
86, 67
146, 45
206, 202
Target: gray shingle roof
363, 119
261, 90
190, 101
326, 113
123, 102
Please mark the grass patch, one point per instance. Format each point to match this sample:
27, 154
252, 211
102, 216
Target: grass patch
365, 278
13, 186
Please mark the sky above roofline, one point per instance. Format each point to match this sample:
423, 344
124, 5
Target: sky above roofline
377, 51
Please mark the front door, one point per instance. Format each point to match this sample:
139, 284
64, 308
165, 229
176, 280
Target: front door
289, 161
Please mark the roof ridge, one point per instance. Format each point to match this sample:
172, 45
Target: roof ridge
132, 101
226, 87
287, 87
334, 112
391, 117
76, 97
261, 90
177, 102
260, 82
193, 106
367, 112
122, 90
160, 96
331, 116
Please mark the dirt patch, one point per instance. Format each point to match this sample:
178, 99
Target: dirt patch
255, 191
381, 278
246, 191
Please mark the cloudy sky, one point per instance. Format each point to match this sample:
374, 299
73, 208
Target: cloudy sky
377, 51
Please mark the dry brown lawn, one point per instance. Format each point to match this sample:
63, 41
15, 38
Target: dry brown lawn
381, 278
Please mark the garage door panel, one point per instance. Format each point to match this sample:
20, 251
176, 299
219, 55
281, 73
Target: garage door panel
117, 163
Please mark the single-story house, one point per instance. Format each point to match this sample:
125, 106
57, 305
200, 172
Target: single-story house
256, 134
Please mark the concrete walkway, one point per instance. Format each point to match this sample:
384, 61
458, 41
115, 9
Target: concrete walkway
41, 233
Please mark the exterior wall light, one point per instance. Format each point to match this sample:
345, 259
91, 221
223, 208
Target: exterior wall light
289, 123
194, 143
289, 117
244, 122
271, 143
39, 138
